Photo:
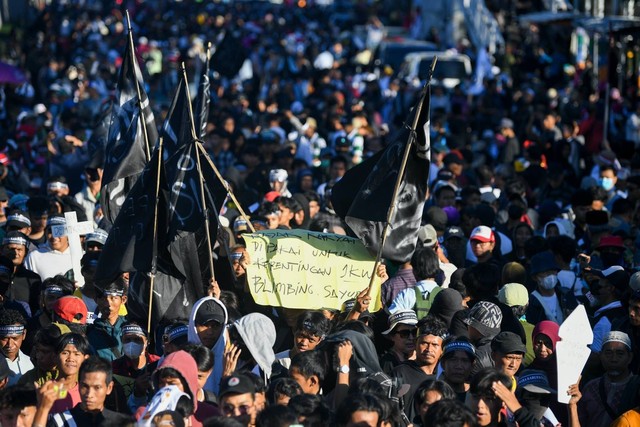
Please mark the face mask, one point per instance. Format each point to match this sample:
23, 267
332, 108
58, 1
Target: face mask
549, 282
133, 350
606, 183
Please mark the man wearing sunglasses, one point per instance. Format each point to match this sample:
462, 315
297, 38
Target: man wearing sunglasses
237, 399
402, 333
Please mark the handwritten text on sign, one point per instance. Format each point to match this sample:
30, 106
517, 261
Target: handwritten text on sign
308, 270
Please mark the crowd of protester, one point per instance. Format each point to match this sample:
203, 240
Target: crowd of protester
532, 211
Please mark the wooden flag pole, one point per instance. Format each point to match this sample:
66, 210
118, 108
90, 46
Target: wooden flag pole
154, 258
396, 188
142, 120
226, 186
202, 197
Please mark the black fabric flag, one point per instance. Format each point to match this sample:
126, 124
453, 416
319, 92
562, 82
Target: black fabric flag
203, 99
177, 130
229, 56
363, 196
99, 137
129, 246
126, 149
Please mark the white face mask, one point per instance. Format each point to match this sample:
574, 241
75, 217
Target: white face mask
133, 350
549, 282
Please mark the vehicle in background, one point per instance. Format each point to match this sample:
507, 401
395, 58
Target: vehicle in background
451, 68
393, 51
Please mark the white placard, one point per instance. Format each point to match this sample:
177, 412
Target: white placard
572, 351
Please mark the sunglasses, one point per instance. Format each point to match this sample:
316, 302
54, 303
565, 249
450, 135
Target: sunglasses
407, 333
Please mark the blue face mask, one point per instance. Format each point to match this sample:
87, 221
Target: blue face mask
607, 183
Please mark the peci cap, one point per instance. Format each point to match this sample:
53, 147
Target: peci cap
483, 234
236, 384
508, 343
404, 317
133, 329
98, 236
15, 237
210, 311
427, 235
486, 317
176, 334
72, 309
514, 294
617, 336
535, 381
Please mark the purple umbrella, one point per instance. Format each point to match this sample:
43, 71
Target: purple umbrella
11, 74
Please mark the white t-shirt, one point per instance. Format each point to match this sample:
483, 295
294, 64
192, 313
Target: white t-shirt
47, 263
551, 307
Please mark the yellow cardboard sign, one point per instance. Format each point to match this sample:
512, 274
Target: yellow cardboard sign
308, 270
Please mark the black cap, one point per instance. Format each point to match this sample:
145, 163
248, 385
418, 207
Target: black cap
236, 384
209, 311
508, 343
452, 158
597, 218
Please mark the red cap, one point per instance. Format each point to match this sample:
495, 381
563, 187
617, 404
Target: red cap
271, 196
483, 234
611, 242
72, 309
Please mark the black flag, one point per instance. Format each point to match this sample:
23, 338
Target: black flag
363, 196
177, 129
203, 99
131, 133
129, 246
229, 56
98, 141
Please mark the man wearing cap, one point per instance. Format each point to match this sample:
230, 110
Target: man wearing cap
457, 361
428, 235
507, 352
207, 324
630, 324
549, 301
18, 221
52, 258
428, 352
454, 244
237, 398
516, 296
94, 242
483, 324
607, 397
12, 334
25, 284
607, 286
483, 242
70, 311
535, 392
402, 333
136, 360
105, 334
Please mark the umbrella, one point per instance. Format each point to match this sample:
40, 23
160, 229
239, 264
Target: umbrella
11, 74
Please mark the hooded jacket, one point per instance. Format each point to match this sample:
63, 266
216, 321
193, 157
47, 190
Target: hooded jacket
182, 362
213, 382
259, 335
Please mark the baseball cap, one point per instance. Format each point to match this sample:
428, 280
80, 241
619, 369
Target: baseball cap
483, 234
236, 384
616, 275
427, 235
486, 317
611, 242
72, 309
617, 336
18, 219
535, 381
453, 232
508, 343
514, 294
404, 317
210, 311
